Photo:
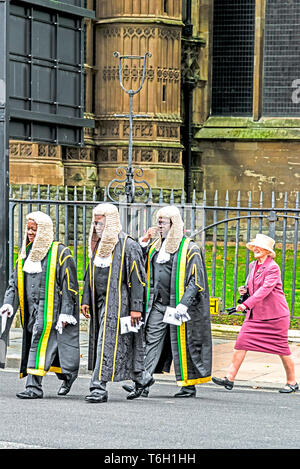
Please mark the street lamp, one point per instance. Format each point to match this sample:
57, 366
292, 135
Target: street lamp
132, 186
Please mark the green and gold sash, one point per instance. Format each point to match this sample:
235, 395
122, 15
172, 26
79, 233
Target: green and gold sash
181, 330
39, 368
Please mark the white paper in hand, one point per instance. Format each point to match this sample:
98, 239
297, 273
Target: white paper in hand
172, 316
127, 327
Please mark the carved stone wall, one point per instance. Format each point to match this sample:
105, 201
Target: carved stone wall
31, 163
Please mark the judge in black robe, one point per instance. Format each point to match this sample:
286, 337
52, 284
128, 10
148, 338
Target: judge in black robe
114, 288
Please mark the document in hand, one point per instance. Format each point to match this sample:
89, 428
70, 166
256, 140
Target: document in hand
172, 316
127, 327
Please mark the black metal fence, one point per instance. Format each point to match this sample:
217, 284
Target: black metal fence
221, 226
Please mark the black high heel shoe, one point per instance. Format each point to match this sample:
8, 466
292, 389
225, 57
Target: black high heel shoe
289, 388
223, 382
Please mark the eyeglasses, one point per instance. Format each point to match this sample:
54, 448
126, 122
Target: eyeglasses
98, 223
164, 223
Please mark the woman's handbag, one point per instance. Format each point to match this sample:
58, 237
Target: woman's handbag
243, 297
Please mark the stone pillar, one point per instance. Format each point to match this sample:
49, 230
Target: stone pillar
194, 91
133, 27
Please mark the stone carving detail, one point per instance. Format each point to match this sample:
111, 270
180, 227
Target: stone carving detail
146, 155
47, 150
125, 155
33, 150
110, 73
191, 59
25, 149
14, 149
169, 156
107, 155
139, 130
167, 131
111, 32
134, 73
52, 151
138, 155
168, 33
139, 32
168, 74
74, 153
108, 129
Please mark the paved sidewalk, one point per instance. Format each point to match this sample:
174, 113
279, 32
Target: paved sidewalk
259, 370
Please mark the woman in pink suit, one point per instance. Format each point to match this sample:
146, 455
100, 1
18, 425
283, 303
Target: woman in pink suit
265, 328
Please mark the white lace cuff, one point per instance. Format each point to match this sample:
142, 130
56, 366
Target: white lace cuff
181, 308
68, 318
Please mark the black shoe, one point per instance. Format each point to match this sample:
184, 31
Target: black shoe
289, 388
139, 388
28, 394
64, 388
96, 397
145, 392
129, 387
223, 382
185, 393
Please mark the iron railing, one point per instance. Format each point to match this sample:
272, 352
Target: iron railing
221, 227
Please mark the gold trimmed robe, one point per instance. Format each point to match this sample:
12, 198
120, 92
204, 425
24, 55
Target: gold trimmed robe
116, 355
191, 343
43, 348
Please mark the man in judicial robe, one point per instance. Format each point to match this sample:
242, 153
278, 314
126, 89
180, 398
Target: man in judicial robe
176, 277
114, 288
44, 286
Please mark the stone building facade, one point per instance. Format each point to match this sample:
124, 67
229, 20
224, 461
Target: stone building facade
220, 95
247, 121
131, 28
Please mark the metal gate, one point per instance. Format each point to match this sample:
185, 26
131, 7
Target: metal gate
231, 227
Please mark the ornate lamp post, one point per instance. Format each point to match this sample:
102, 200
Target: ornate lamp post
132, 186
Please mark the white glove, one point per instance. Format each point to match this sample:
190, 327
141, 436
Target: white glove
64, 318
182, 310
143, 243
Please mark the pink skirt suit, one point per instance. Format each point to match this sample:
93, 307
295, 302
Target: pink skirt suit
265, 328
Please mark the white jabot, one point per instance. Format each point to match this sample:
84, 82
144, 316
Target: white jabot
32, 267
163, 255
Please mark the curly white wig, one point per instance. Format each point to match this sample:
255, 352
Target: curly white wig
175, 234
111, 231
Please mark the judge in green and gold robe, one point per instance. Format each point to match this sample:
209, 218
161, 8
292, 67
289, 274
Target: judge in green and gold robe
176, 278
45, 289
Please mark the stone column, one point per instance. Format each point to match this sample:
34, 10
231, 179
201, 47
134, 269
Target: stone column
133, 27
